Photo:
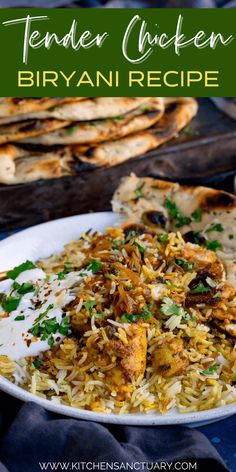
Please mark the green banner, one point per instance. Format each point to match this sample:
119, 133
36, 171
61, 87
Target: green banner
118, 52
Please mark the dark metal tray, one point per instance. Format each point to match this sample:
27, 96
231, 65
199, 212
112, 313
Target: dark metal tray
204, 154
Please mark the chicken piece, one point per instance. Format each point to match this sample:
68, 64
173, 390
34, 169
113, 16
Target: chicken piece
226, 327
130, 357
224, 316
200, 256
168, 358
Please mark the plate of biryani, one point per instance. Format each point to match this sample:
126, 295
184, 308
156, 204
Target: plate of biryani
126, 316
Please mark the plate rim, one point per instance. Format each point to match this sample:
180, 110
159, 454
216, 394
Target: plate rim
138, 419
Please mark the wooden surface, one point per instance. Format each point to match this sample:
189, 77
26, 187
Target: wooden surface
204, 154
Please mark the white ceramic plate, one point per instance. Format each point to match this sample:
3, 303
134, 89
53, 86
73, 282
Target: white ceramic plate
49, 238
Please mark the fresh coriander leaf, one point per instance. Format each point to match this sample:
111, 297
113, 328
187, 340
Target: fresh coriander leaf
64, 326
200, 288
24, 288
27, 265
184, 264
169, 308
95, 266
89, 305
37, 363
50, 326
68, 267
71, 129
145, 314
130, 235
19, 318
231, 236
175, 213
182, 221
172, 208
213, 245
186, 317
10, 303
162, 237
217, 227
197, 215
116, 244
211, 370
139, 191
61, 275
99, 316
140, 248
43, 314
128, 318
51, 341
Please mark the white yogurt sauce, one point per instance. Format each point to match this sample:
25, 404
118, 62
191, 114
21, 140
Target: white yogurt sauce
15, 336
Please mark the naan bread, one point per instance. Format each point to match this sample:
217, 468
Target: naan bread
177, 115
11, 106
25, 129
143, 200
18, 165
102, 130
91, 109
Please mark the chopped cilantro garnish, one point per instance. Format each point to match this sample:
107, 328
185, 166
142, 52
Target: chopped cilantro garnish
71, 129
184, 264
182, 221
130, 235
19, 318
197, 215
217, 227
95, 266
211, 370
64, 326
186, 317
213, 245
45, 328
99, 316
140, 248
89, 304
175, 214
23, 288
13, 274
51, 341
36, 326
162, 237
37, 363
116, 244
10, 303
172, 208
231, 236
139, 191
145, 314
200, 288
169, 308
68, 267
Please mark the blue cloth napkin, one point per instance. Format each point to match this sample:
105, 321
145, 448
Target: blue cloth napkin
118, 3
38, 437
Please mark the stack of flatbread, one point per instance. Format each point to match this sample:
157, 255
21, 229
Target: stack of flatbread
44, 138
